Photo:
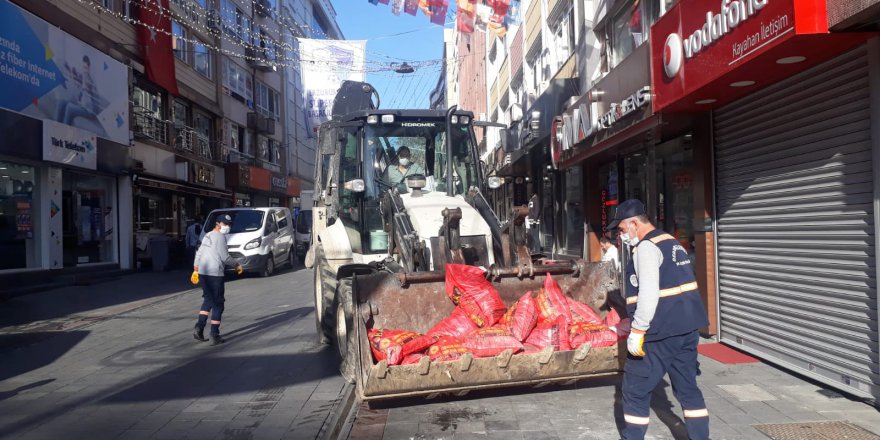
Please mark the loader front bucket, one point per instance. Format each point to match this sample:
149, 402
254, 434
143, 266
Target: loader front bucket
418, 301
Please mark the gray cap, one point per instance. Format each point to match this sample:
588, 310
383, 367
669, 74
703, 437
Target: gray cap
628, 209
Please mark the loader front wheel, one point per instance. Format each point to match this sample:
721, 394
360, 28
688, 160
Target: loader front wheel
345, 343
325, 287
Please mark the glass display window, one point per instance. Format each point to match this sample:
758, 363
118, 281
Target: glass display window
18, 225
88, 214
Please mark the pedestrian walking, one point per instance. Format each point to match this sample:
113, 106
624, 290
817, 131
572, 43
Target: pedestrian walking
191, 239
663, 299
609, 251
212, 259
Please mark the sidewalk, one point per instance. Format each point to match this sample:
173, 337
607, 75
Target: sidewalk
741, 398
118, 360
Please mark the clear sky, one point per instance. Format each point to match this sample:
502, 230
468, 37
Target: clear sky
421, 40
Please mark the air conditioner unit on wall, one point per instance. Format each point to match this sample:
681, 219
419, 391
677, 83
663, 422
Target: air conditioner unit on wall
213, 21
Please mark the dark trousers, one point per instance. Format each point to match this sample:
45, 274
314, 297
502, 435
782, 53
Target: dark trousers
213, 292
676, 356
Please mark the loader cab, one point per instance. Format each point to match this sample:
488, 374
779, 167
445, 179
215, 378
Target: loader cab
360, 161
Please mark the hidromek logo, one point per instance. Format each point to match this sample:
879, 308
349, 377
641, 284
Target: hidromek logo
417, 124
733, 12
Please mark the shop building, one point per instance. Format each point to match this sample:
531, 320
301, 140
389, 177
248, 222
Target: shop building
65, 197
791, 112
255, 186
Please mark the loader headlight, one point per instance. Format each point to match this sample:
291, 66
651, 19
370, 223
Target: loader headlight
453, 119
373, 119
253, 244
495, 182
465, 120
356, 185
387, 119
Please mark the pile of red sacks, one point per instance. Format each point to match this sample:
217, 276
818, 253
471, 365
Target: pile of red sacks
483, 326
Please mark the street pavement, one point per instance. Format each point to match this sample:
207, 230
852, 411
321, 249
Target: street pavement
118, 360
738, 397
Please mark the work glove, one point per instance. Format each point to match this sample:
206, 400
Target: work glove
635, 342
239, 270
195, 277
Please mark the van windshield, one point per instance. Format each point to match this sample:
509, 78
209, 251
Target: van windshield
242, 221
304, 222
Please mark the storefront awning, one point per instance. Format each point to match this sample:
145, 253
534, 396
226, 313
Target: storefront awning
153, 182
707, 54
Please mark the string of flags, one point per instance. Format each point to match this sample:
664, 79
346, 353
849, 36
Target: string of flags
484, 15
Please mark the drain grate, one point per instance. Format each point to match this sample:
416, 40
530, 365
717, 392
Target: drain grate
815, 431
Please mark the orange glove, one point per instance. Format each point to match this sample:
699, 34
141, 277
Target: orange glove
239, 270
195, 277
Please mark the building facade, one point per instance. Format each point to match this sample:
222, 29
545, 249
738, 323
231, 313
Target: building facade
114, 156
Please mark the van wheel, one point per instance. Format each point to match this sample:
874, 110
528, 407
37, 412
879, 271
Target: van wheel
291, 259
345, 343
325, 286
269, 268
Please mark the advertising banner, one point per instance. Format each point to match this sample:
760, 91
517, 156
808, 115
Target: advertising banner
325, 65
69, 145
48, 74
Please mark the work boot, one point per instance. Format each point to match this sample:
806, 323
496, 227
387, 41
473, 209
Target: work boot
199, 333
217, 340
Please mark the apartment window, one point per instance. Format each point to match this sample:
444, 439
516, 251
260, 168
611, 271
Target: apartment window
267, 101
202, 59
147, 102
179, 37
119, 6
181, 114
270, 51
627, 32
235, 133
239, 82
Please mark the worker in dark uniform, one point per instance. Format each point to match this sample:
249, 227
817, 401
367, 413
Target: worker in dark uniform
212, 259
664, 302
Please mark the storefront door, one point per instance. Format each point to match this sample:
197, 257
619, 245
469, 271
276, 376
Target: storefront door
675, 190
87, 218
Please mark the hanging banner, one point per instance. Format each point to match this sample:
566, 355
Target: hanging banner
47, 74
396, 6
326, 64
411, 6
156, 45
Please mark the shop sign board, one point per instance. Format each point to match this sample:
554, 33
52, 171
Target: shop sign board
338, 61
204, 174
584, 121
697, 41
69, 145
279, 182
48, 74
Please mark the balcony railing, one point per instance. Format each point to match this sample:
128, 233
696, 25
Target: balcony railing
191, 141
236, 156
146, 125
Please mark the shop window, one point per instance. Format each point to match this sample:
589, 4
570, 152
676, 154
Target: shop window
675, 188
18, 234
87, 218
574, 213
609, 196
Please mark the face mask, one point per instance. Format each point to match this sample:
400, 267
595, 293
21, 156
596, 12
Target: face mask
404, 162
630, 240
224, 229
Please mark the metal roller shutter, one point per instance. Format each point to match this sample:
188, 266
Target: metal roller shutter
796, 245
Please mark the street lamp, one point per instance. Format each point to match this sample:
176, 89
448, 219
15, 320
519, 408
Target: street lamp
404, 68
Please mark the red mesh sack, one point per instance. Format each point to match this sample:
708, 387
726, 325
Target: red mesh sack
550, 334
531, 349
581, 312
457, 324
393, 345
412, 359
600, 337
468, 287
491, 341
521, 317
612, 318
447, 348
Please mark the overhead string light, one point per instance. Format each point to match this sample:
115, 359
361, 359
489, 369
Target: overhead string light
286, 61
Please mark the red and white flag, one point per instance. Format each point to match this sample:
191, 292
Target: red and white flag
156, 44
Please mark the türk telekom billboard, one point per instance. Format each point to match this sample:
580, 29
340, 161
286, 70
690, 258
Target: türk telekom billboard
698, 41
48, 74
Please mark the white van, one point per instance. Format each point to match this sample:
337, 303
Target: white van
261, 239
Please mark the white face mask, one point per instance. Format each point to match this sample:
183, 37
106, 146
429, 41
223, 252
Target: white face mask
404, 162
630, 240
224, 229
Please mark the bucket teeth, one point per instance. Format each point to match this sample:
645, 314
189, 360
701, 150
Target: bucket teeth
465, 362
503, 358
544, 356
581, 353
424, 365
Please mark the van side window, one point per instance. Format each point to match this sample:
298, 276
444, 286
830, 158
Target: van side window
270, 222
282, 220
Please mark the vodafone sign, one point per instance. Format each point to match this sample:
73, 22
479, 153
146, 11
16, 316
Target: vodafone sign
705, 40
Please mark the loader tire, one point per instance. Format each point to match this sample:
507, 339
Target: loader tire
325, 288
344, 331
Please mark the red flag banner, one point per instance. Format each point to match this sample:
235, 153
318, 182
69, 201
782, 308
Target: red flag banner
411, 7
156, 45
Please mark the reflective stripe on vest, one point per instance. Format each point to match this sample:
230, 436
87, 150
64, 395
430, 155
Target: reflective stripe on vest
662, 237
672, 291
